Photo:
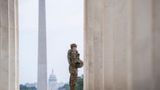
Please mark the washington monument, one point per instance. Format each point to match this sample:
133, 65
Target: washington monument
42, 49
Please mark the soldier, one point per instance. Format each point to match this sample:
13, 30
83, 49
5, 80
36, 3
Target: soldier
74, 63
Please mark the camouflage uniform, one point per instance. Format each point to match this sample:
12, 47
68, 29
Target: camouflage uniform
73, 58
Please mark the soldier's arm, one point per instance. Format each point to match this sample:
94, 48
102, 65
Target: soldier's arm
69, 56
78, 56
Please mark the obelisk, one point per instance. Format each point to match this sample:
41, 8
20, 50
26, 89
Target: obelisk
42, 49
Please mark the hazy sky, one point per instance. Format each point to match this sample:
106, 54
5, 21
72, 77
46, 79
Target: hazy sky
64, 26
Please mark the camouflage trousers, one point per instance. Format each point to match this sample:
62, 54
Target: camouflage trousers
73, 78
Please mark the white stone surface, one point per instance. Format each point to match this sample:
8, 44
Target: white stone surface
4, 38
13, 39
122, 45
42, 49
8, 45
156, 43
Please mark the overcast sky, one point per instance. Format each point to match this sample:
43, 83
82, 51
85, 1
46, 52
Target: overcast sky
64, 26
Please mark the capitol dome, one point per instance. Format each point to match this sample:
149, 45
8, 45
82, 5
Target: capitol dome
52, 81
52, 77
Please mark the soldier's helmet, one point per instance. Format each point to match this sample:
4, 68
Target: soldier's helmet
79, 64
73, 45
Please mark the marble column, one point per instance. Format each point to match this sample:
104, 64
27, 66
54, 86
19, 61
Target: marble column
4, 43
156, 43
8, 45
13, 43
122, 45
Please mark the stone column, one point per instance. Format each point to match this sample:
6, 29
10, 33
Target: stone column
13, 43
122, 45
4, 43
8, 45
107, 44
142, 43
156, 43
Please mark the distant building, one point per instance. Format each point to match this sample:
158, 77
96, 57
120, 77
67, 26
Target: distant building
52, 83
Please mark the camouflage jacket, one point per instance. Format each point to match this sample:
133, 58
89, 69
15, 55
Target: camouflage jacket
73, 57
